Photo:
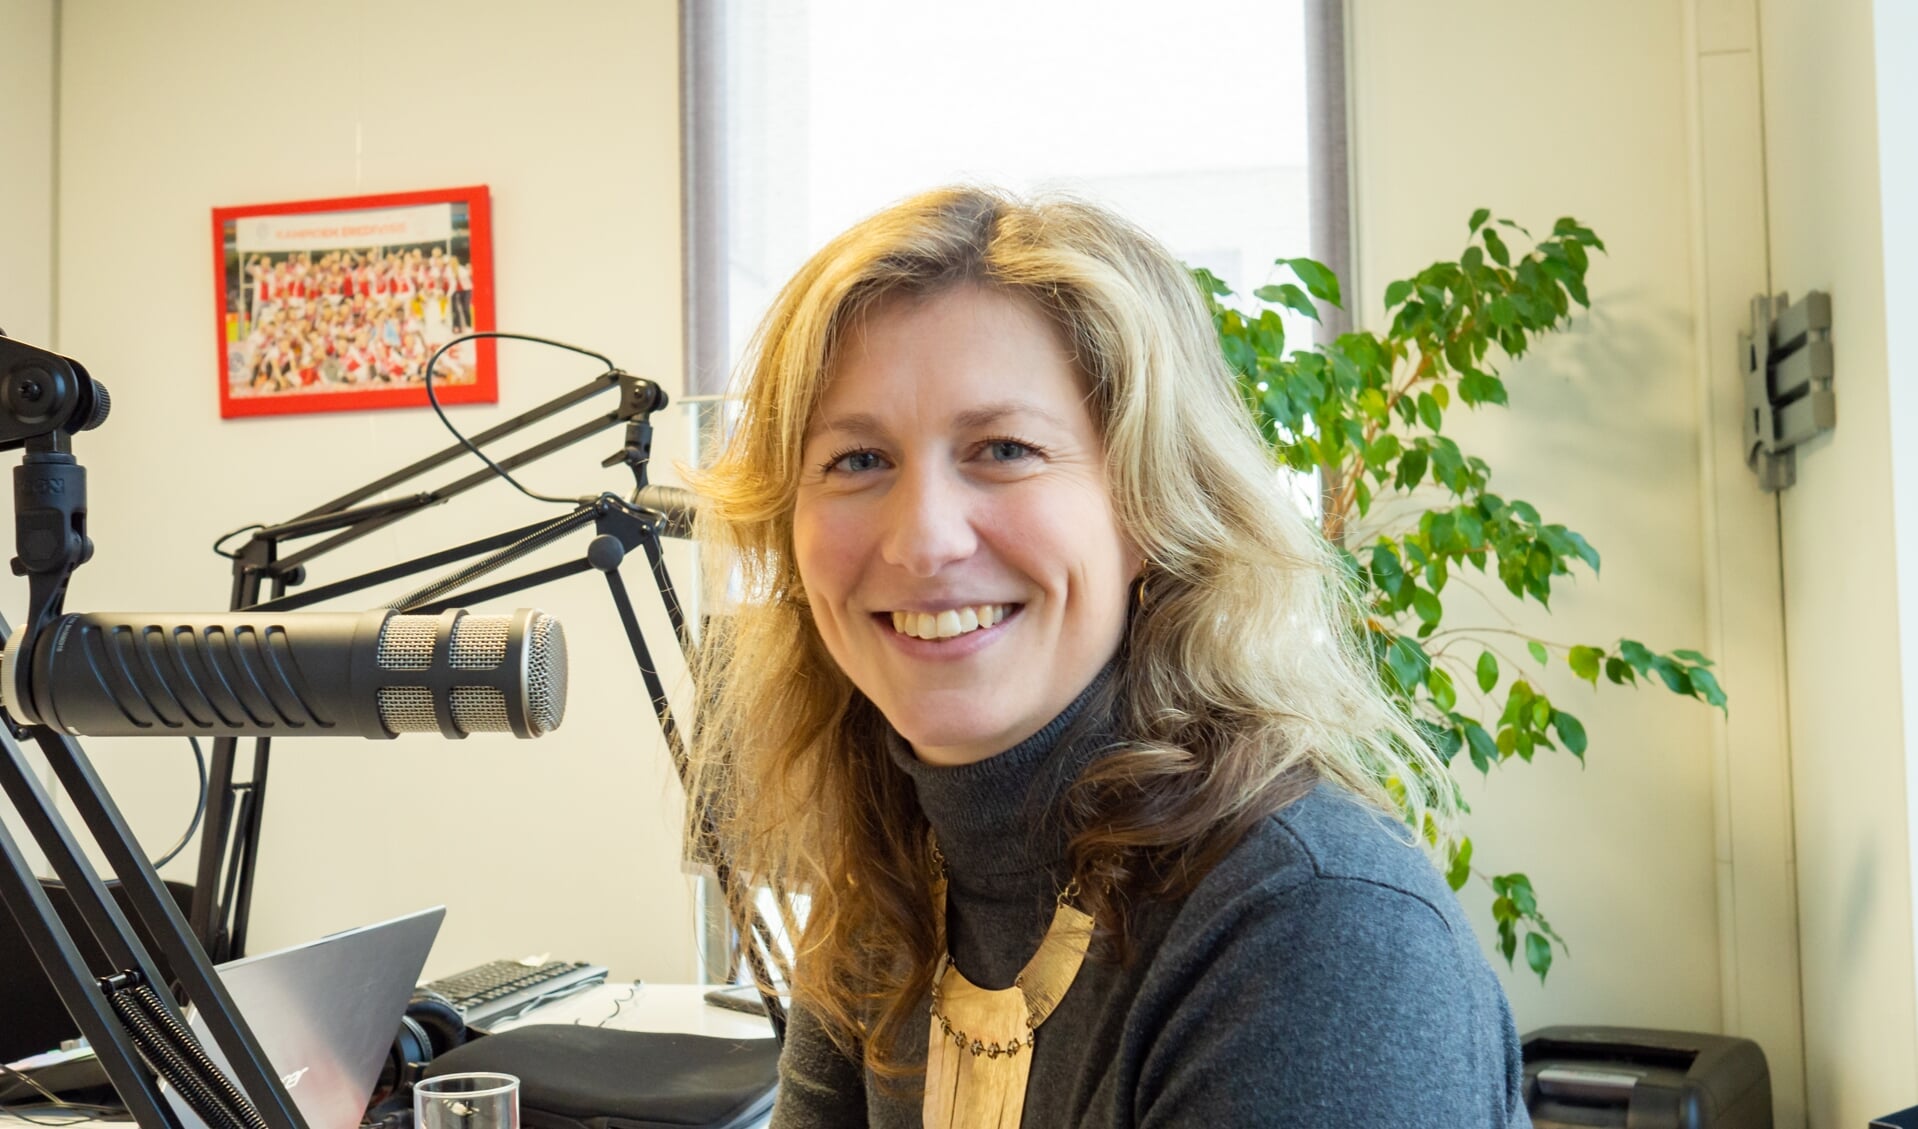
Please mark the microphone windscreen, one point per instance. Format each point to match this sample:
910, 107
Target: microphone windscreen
502, 673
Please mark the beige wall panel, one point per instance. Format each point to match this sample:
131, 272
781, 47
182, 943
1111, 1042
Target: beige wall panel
26, 236
1602, 435
1727, 25
1744, 591
1847, 726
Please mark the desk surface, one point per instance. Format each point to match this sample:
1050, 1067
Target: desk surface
627, 1006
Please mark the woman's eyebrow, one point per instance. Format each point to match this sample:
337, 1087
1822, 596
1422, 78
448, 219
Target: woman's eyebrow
861, 424
986, 415
865, 424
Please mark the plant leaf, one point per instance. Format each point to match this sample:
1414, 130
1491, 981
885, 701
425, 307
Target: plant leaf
1487, 671
1538, 954
1480, 745
1407, 662
1707, 686
1571, 731
1461, 868
1426, 606
1585, 662
1428, 408
1290, 296
1496, 247
1317, 277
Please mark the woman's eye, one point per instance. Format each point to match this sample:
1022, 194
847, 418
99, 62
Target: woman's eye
854, 461
1008, 450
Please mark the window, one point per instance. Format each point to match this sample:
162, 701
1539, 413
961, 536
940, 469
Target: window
1173, 115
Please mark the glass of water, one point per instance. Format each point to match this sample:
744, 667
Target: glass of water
466, 1101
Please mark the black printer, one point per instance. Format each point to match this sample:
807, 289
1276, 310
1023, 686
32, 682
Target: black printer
1579, 1077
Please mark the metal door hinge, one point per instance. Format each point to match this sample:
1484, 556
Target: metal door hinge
1787, 364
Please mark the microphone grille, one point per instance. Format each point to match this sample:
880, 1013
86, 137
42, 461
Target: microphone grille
408, 709
479, 709
479, 642
476, 709
406, 643
545, 675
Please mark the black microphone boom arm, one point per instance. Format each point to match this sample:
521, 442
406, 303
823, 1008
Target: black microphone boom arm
263, 572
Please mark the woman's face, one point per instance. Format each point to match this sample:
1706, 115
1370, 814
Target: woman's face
954, 530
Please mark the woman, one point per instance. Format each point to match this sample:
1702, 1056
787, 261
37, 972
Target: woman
1048, 698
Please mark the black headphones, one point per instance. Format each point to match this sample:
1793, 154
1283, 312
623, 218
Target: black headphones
431, 1027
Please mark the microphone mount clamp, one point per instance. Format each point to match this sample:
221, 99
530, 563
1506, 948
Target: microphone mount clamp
45, 399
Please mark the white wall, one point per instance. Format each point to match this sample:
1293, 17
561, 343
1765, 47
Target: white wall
26, 237
1538, 111
26, 192
569, 112
1848, 730
1744, 592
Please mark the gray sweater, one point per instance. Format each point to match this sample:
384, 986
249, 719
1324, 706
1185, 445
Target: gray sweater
1320, 977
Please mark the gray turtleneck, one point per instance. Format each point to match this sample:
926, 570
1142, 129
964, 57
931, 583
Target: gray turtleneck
1320, 977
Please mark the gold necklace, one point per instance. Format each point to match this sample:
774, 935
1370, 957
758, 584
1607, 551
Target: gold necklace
979, 1047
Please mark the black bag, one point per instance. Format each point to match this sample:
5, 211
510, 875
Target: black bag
597, 1078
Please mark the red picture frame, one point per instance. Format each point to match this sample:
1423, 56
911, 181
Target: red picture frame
335, 305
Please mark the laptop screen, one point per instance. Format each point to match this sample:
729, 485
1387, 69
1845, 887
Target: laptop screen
325, 1013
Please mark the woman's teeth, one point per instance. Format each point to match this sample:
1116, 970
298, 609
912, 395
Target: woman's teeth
946, 624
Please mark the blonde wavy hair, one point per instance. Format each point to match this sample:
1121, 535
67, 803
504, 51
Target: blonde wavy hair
1243, 677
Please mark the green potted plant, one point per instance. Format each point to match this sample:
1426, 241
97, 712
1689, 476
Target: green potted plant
1366, 415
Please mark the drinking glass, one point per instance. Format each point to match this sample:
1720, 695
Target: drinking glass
466, 1101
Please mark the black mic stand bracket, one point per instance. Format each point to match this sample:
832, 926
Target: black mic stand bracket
133, 1024
265, 568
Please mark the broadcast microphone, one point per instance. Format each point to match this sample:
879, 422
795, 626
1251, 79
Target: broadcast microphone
678, 507
373, 674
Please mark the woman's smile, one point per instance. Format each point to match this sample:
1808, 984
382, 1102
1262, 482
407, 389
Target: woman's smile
951, 622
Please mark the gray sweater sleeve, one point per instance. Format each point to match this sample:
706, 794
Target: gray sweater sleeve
819, 1087
1336, 1003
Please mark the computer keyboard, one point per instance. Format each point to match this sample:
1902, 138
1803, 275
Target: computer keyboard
507, 989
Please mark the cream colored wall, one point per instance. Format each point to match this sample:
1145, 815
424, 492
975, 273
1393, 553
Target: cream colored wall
1538, 111
570, 113
26, 191
1744, 593
26, 235
1848, 730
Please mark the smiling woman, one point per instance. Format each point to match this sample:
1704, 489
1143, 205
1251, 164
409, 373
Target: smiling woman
1044, 696
953, 475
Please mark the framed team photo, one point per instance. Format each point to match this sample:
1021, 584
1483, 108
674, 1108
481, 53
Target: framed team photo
336, 305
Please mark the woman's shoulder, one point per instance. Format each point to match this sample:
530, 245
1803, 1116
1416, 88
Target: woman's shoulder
1331, 835
1328, 870
1326, 932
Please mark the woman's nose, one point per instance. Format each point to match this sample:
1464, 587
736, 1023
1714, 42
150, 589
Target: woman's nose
928, 522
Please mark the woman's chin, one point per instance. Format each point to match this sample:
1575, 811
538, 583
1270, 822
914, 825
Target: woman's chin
950, 741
